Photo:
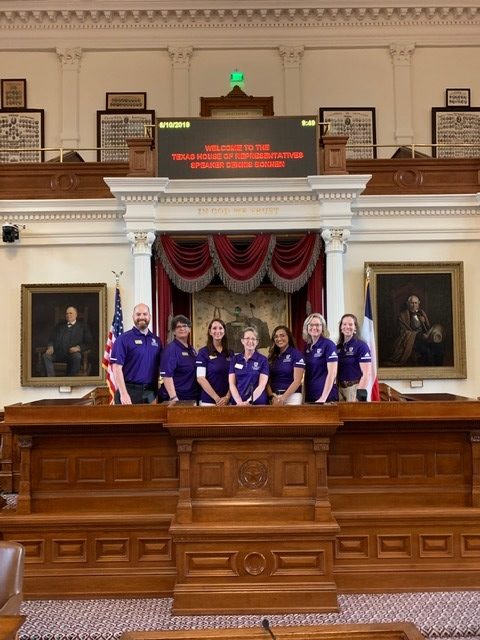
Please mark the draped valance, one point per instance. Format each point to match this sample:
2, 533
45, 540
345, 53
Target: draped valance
240, 264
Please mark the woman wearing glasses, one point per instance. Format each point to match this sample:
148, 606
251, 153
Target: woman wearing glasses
178, 364
320, 361
248, 375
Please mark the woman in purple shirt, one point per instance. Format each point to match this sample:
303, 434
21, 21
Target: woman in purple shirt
178, 364
248, 375
213, 366
320, 361
353, 360
286, 368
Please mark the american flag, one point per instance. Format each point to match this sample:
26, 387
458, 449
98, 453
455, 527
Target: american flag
115, 330
368, 336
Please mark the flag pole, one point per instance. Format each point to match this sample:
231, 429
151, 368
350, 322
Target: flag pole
116, 329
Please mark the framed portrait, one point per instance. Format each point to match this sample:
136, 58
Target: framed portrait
113, 129
21, 136
63, 334
14, 94
264, 308
456, 132
358, 123
457, 97
419, 316
126, 101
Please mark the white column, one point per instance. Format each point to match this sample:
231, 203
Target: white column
292, 63
180, 57
402, 83
141, 243
335, 195
335, 246
70, 60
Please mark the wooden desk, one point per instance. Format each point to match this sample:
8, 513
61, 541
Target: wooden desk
215, 506
385, 631
9, 626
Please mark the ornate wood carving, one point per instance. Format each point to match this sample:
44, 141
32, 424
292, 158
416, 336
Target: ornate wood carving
237, 100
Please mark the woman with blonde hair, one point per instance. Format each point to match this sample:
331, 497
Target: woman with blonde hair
320, 361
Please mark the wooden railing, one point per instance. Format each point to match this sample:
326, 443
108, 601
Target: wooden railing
395, 176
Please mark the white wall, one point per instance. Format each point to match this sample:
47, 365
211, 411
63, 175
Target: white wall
54, 264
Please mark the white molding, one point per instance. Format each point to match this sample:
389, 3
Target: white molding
246, 205
132, 24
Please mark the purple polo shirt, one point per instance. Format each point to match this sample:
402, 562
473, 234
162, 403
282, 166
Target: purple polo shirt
178, 362
139, 354
247, 374
217, 366
350, 355
317, 356
282, 369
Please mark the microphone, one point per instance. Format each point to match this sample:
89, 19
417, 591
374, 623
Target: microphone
250, 395
362, 395
266, 626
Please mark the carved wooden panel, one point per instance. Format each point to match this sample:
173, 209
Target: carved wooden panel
398, 468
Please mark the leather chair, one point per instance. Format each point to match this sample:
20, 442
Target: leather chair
12, 560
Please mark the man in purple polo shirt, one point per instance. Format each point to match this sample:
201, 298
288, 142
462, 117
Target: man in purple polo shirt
135, 361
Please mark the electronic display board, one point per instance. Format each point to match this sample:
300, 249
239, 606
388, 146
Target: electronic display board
267, 147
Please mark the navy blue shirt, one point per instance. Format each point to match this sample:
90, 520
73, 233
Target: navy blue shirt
317, 357
139, 354
350, 355
282, 369
247, 375
214, 366
179, 363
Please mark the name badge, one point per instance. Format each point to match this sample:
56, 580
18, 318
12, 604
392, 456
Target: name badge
138, 342
212, 357
238, 366
184, 353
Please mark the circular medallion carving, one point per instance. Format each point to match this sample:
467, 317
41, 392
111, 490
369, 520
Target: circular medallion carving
253, 474
408, 178
64, 182
254, 563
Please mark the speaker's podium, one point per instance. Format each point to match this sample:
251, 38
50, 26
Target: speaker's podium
253, 529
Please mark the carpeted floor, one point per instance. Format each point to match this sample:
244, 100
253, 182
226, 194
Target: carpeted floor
451, 615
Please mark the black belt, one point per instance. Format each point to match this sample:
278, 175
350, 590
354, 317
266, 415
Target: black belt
348, 383
139, 385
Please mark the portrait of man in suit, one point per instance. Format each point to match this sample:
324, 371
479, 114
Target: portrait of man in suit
68, 341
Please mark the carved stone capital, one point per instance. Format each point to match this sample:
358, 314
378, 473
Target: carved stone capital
70, 58
291, 56
141, 242
180, 57
335, 240
402, 53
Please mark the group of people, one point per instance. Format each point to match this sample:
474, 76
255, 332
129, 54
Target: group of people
146, 372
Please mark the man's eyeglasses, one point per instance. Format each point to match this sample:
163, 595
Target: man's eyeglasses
182, 326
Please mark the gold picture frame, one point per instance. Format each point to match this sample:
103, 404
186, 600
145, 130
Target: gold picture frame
264, 308
436, 347
42, 309
14, 93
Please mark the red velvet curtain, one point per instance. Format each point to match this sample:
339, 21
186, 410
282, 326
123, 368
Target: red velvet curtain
243, 268
293, 266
